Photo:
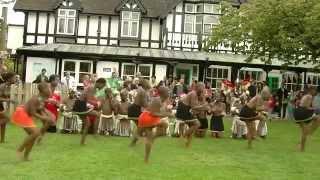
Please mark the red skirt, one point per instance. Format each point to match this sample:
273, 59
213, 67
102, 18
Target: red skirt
21, 118
146, 119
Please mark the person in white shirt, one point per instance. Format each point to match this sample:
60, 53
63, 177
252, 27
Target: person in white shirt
69, 81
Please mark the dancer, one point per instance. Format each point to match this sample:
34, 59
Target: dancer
188, 108
202, 118
238, 128
250, 112
141, 100
108, 106
23, 117
150, 119
305, 117
52, 104
218, 109
69, 119
124, 124
9, 79
83, 109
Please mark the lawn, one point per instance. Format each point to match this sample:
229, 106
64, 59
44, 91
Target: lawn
60, 157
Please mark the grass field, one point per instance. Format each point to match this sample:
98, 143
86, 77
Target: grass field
60, 157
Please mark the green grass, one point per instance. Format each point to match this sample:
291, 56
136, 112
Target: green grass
60, 157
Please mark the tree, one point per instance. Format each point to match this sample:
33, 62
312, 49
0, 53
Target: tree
284, 30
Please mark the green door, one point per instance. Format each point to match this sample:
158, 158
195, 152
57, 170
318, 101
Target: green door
273, 83
184, 72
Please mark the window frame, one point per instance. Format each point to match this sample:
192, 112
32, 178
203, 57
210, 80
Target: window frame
130, 22
66, 18
136, 70
217, 79
76, 72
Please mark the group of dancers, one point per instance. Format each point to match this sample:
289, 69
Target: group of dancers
149, 114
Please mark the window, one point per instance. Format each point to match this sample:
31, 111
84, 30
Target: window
212, 8
77, 69
250, 75
292, 81
145, 71
193, 23
209, 21
130, 24
313, 79
215, 75
130, 70
66, 21
189, 8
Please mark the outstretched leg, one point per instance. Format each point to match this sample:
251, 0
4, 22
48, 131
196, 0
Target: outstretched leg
193, 126
3, 123
86, 126
25, 148
148, 143
304, 135
251, 132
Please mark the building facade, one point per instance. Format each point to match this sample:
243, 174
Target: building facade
154, 37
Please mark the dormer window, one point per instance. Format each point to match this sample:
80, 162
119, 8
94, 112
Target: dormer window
130, 24
66, 21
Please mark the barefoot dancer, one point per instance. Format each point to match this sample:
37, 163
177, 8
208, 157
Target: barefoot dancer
202, 117
187, 105
9, 79
250, 112
304, 116
141, 101
123, 126
150, 119
82, 108
108, 104
52, 104
216, 123
23, 117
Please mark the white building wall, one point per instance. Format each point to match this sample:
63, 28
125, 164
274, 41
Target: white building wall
52, 23
31, 22
145, 29
169, 22
178, 23
15, 37
155, 30
36, 64
82, 25
105, 68
160, 72
179, 7
42, 24
104, 26
114, 27
93, 26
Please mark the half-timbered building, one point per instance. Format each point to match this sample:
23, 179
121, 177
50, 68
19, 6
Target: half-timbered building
153, 37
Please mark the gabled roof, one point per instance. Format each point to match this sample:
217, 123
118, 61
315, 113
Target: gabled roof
154, 8
124, 2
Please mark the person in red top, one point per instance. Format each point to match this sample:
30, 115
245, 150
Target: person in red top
53, 102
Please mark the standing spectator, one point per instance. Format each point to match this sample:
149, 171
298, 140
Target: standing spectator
41, 77
86, 82
282, 94
252, 89
180, 88
153, 82
113, 83
69, 81
193, 85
